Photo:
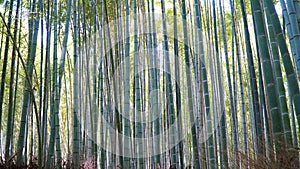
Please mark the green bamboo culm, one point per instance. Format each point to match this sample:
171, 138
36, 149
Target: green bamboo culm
180, 162
286, 58
76, 129
295, 29
138, 112
27, 94
224, 149
258, 145
155, 89
127, 142
9, 131
268, 74
5, 60
278, 77
54, 90
196, 161
169, 93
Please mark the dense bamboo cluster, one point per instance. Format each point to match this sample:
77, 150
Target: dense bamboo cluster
150, 83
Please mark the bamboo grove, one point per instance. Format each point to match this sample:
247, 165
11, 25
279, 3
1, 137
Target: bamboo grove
149, 83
